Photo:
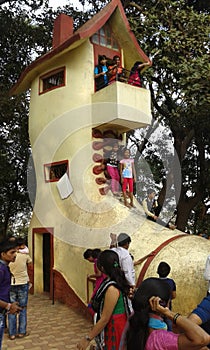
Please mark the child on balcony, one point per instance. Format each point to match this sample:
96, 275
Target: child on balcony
128, 176
135, 74
100, 73
116, 71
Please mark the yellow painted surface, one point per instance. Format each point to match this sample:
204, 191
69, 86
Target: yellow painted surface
127, 106
60, 127
38, 264
123, 36
48, 106
78, 229
186, 255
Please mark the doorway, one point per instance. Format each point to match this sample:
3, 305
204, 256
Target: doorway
43, 258
46, 262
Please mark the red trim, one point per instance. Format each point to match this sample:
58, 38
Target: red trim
97, 134
97, 158
98, 169
86, 31
65, 294
99, 49
101, 181
42, 231
104, 40
103, 50
156, 251
48, 165
104, 190
49, 74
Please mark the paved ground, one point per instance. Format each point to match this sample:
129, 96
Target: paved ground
52, 327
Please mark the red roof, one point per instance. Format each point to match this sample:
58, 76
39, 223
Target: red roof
83, 33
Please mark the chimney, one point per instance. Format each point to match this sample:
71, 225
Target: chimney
63, 29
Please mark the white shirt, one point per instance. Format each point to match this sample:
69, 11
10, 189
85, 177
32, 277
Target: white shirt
126, 264
207, 272
19, 270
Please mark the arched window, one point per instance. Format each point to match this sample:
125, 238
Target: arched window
105, 37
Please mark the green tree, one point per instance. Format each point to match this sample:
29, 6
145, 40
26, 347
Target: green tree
20, 40
176, 34
15, 53
179, 84
26, 32
177, 80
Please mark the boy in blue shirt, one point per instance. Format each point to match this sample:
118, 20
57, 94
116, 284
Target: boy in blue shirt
100, 73
8, 253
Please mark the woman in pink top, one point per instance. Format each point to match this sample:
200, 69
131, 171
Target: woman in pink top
147, 329
92, 256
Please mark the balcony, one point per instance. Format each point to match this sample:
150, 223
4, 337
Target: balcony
122, 106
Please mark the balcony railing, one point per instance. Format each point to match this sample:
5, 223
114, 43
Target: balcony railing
123, 78
122, 105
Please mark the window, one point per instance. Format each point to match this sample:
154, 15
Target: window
105, 37
52, 80
54, 171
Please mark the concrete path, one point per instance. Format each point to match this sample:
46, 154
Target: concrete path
52, 327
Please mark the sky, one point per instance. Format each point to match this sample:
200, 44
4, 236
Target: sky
56, 3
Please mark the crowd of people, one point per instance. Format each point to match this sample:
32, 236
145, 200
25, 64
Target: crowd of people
118, 163
141, 319
125, 318
106, 74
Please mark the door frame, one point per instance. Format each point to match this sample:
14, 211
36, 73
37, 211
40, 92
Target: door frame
37, 233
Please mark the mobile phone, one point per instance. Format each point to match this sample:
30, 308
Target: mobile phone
163, 303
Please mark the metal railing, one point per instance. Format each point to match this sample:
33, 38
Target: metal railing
124, 77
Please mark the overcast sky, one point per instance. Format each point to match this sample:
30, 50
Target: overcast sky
57, 3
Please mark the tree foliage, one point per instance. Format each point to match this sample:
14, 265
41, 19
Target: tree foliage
25, 34
176, 34
179, 84
14, 55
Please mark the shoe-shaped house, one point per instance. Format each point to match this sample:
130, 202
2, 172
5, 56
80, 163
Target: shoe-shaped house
70, 127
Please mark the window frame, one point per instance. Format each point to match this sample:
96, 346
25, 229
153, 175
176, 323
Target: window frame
48, 75
47, 167
106, 27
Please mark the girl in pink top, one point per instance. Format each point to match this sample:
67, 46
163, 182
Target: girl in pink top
147, 329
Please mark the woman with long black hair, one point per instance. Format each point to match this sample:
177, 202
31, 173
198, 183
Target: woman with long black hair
111, 305
135, 74
147, 329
